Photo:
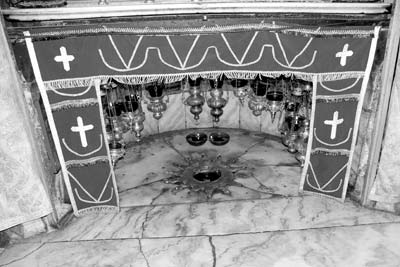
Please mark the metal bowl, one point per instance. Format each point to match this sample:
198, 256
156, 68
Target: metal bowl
196, 139
219, 138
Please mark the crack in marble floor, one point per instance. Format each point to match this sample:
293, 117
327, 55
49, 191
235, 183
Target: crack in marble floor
213, 251
141, 252
23, 257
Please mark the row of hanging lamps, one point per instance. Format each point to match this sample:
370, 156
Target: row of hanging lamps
114, 126
134, 115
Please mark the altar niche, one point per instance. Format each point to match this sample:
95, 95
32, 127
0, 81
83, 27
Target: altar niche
282, 105
326, 68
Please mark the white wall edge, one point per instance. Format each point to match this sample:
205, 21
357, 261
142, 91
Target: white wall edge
81, 11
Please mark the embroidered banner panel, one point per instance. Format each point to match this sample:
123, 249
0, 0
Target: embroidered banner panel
70, 65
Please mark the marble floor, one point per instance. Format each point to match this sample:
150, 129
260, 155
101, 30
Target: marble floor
263, 222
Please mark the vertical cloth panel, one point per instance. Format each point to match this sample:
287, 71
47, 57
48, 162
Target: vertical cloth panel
67, 62
87, 170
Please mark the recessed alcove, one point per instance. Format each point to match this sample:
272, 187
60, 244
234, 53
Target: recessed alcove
261, 167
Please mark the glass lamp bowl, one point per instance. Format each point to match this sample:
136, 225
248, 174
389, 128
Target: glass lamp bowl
219, 138
196, 139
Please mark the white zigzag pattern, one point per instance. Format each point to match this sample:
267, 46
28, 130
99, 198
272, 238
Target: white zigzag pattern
94, 200
183, 67
322, 188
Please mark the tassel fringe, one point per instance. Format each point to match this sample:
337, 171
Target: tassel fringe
337, 98
97, 209
170, 78
87, 162
67, 104
287, 29
330, 152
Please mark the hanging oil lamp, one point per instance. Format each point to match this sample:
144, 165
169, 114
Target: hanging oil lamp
156, 94
115, 126
274, 96
295, 124
216, 102
135, 115
240, 89
302, 140
257, 100
307, 86
195, 100
297, 88
117, 151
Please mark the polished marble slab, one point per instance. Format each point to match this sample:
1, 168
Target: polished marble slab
274, 214
118, 253
265, 167
182, 252
145, 162
358, 246
218, 218
375, 245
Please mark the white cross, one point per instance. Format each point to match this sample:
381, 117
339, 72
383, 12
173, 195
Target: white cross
334, 123
81, 128
344, 54
64, 58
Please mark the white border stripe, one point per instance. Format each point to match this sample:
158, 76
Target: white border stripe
310, 134
103, 126
46, 103
360, 104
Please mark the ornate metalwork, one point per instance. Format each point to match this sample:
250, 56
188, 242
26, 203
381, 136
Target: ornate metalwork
240, 89
156, 95
195, 100
206, 176
216, 102
257, 101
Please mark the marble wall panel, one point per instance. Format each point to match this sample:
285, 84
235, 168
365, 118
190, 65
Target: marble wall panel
247, 120
230, 117
174, 117
267, 126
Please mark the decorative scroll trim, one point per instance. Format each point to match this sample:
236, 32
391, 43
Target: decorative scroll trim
87, 154
72, 95
208, 29
322, 189
337, 98
341, 89
333, 144
86, 162
330, 152
80, 103
169, 78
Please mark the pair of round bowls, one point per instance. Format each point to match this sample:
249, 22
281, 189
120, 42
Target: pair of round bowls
215, 138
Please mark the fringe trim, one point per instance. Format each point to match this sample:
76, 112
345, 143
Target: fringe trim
337, 98
308, 32
86, 162
97, 209
169, 78
67, 104
330, 152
